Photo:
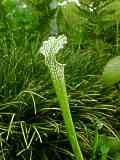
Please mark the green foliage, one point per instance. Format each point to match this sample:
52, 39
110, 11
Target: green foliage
111, 74
31, 124
20, 15
106, 145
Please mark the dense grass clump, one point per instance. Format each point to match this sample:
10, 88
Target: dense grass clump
31, 122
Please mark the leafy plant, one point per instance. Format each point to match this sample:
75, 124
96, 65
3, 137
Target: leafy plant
31, 123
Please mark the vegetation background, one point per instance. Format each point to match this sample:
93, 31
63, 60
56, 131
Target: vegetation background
31, 124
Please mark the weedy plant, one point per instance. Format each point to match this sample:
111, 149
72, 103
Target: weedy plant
49, 49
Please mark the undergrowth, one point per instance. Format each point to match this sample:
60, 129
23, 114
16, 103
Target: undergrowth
31, 124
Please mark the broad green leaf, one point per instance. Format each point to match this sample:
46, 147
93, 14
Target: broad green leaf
111, 74
71, 14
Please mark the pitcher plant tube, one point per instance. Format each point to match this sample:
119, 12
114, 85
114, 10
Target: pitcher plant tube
49, 49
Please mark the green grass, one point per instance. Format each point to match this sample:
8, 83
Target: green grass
31, 124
